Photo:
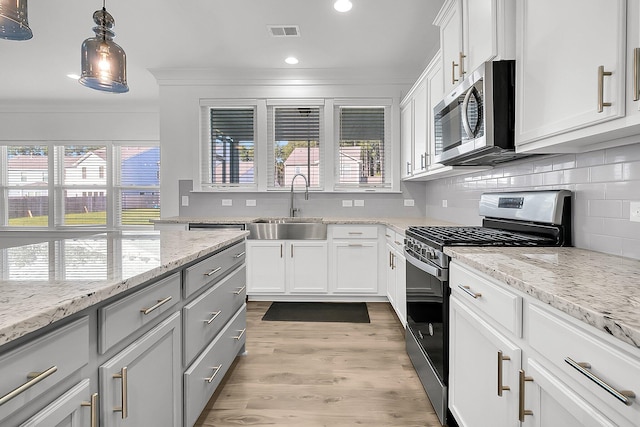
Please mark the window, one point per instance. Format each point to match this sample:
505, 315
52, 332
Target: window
361, 145
78, 192
295, 135
229, 154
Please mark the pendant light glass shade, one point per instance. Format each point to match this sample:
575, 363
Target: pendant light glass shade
104, 63
14, 24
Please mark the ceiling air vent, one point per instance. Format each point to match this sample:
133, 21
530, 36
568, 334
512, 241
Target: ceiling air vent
284, 30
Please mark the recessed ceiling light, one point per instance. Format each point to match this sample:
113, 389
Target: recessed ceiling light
73, 76
342, 5
291, 60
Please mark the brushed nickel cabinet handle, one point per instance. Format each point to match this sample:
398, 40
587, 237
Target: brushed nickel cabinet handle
393, 261
159, 303
501, 387
636, 74
521, 411
34, 378
461, 61
453, 72
292, 250
237, 337
408, 168
124, 408
422, 161
468, 291
216, 314
624, 396
356, 233
355, 245
601, 75
281, 250
240, 289
212, 272
93, 404
241, 254
216, 369
390, 255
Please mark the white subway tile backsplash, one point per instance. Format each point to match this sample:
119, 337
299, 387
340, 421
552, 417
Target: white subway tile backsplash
603, 183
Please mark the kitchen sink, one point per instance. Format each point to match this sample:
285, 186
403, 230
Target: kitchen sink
287, 229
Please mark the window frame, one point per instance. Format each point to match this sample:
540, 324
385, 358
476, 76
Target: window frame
204, 149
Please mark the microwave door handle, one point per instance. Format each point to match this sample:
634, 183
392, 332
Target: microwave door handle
465, 117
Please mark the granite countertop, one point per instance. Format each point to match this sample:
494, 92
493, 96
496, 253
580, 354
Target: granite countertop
399, 224
45, 282
599, 289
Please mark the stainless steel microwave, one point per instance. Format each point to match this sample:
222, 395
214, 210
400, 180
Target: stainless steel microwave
474, 124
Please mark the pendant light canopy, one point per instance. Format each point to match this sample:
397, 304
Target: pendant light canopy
104, 63
14, 24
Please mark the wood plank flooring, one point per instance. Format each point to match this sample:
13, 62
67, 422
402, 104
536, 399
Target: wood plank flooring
321, 374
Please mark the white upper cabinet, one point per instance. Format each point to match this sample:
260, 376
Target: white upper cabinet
473, 32
421, 126
406, 139
575, 74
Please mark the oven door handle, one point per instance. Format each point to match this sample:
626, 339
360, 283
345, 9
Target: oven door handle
441, 274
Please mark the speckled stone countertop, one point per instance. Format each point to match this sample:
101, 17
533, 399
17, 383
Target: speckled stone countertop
599, 289
398, 224
45, 282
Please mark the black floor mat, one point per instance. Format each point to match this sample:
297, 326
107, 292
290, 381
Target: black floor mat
351, 312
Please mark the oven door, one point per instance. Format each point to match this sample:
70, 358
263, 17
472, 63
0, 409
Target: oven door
427, 328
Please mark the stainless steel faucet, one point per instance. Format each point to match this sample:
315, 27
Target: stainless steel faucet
292, 210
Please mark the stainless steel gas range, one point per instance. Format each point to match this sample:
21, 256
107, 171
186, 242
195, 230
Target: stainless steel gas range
531, 218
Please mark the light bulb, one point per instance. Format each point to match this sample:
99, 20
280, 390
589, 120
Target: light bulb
342, 5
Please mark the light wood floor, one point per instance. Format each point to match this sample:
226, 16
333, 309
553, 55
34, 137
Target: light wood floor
322, 374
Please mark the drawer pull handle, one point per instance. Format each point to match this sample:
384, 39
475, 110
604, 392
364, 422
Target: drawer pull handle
160, 302
355, 232
521, 411
125, 407
216, 369
601, 75
397, 243
237, 338
212, 272
34, 378
624, 396
636, 74
468, 291
93, 404
501, 387
241, 254
216, 314
355, 245
386, 235
239, 291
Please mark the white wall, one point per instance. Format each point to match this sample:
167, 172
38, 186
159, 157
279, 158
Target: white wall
604, 182
180, 120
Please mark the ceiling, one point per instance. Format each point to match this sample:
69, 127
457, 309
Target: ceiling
392, 36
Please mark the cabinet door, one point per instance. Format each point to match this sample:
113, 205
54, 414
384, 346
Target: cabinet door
141, 385
558, 84
406, 138
450, 22
483, 374
265, 266
420, 127
391, 277
75, 408
401, 288
552, 403
355, 267
307, 266
435, 89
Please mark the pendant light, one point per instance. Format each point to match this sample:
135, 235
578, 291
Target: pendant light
104, 63
14, 24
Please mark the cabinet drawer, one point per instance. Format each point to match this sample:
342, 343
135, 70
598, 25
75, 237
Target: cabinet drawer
213, 268
51, 359
488, 299
125, 316
206, 315
354, 232
609, 370
206, 372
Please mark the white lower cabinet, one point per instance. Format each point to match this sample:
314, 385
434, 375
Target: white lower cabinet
515, 361
483, 380
355, 266
76, 408
284, 266
396, 272
141, 385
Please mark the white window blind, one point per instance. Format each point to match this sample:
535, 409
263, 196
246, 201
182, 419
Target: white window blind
295, 141
27, 183
229, 154
362, 147
138, 183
